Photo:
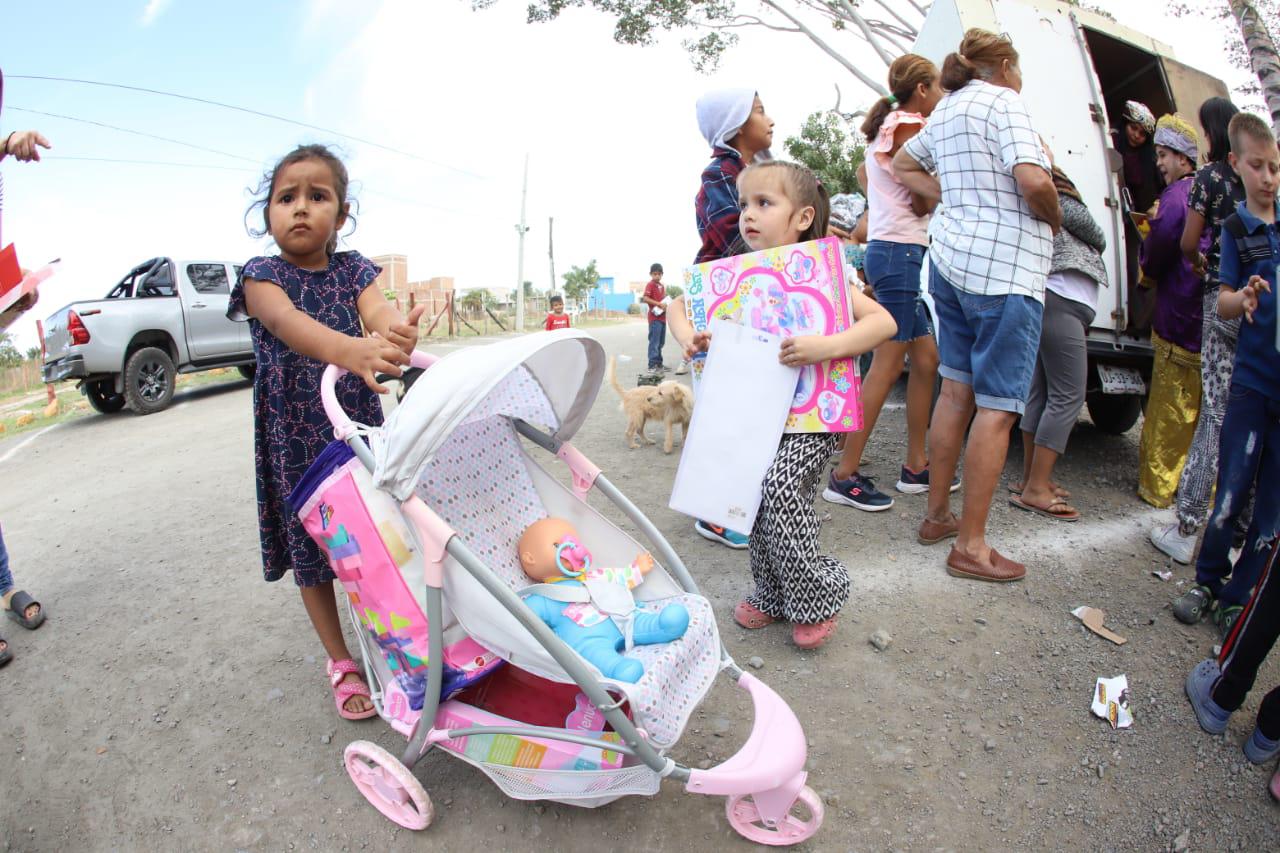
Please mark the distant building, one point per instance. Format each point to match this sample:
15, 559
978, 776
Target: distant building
395, 277
609, 296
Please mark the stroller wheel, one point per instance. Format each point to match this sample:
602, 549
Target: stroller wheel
388, 785
745, 819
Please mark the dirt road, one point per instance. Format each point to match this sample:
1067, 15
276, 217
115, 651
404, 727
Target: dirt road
175, 701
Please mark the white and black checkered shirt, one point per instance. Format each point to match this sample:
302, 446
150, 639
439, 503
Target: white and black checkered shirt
984, 237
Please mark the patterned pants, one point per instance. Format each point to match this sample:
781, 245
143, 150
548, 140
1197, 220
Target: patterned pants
793, 581
1217, 362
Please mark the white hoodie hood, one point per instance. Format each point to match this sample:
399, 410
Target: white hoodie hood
722, 113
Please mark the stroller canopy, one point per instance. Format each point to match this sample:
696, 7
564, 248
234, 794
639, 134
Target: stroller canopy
562, 369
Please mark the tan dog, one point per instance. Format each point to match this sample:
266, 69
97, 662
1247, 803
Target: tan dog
669, 401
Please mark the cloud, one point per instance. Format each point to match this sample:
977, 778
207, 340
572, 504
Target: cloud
155, 8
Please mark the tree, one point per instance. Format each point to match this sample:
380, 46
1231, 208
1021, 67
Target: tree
1254, 50
474, 300
9, 355
713, 23
1260, 50
528, 289
675, 290
827, 147
580, 281
33, 353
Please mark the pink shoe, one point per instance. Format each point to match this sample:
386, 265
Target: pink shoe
749, 616
813, 636
344, 690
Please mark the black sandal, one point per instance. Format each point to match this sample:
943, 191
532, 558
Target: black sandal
17, 610
7, 654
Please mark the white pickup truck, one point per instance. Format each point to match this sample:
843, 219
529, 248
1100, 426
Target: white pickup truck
163, 318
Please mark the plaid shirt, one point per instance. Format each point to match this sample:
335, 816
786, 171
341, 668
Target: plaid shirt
716, 205
985, 238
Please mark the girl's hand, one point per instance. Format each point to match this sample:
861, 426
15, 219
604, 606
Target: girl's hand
405, 335
1201, 264
804, 350
1249, 295
25, 145
701, 342
367, 357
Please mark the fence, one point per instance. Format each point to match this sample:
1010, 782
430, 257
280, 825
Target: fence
24, 377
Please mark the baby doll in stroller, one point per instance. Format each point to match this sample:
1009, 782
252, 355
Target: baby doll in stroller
590, 607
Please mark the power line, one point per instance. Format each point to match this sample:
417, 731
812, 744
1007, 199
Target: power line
258, 113
143, 162
137, 133
362, 189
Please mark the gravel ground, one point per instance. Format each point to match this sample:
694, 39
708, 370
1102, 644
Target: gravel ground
176, 702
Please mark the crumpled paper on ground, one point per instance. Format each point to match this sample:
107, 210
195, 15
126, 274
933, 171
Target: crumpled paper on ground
1111, 701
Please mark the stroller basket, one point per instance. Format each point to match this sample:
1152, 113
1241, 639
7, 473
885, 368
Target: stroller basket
586, 788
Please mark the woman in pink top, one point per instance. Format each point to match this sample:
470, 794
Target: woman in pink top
897, 228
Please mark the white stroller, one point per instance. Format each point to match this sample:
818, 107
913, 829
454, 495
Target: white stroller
420, 519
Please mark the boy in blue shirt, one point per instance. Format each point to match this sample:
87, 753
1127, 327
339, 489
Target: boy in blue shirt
1249, 455
1250, 449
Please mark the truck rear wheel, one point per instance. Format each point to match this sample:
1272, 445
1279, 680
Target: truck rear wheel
149, 379
1114, 414
247, 370
103, 397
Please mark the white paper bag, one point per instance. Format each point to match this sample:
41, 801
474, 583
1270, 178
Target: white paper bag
743, 401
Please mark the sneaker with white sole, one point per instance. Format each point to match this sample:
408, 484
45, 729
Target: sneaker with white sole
723, 535
857, 491
683, 368
917, 482
1171, 541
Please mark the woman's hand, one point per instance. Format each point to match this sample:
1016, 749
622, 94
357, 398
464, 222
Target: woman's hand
804, 350
367, 357
701, 342
405, 335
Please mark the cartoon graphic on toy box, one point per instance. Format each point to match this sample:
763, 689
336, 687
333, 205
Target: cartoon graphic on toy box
789, 291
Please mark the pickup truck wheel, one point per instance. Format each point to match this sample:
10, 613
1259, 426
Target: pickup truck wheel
1114, 414
247, 370
103, 397
149, 378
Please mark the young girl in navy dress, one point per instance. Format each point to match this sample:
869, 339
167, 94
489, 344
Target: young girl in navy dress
305, 308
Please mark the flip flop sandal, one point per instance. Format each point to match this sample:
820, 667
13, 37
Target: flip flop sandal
7, 654
813, 636
748, 616
344, 690
1057, 490
17, 610
1066, 512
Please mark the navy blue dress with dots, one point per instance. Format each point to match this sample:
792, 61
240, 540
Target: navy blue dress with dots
289, 425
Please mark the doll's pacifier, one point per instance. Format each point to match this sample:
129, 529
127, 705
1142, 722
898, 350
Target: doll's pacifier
572, 559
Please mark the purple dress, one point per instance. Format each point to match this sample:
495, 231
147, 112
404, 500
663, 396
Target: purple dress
289, 425
1179, 307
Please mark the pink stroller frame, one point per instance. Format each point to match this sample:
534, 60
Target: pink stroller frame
422, 539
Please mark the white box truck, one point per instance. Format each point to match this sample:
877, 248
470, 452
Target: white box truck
1078, 69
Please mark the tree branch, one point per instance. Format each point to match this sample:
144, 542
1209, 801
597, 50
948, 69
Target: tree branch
867, 81
872, 39
905, 23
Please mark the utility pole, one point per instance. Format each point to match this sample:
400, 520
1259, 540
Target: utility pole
521, 229
551, 252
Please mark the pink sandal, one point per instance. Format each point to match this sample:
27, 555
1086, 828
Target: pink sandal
813, 636
344, 690
749, 616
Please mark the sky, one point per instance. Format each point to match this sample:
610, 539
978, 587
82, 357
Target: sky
452, 100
